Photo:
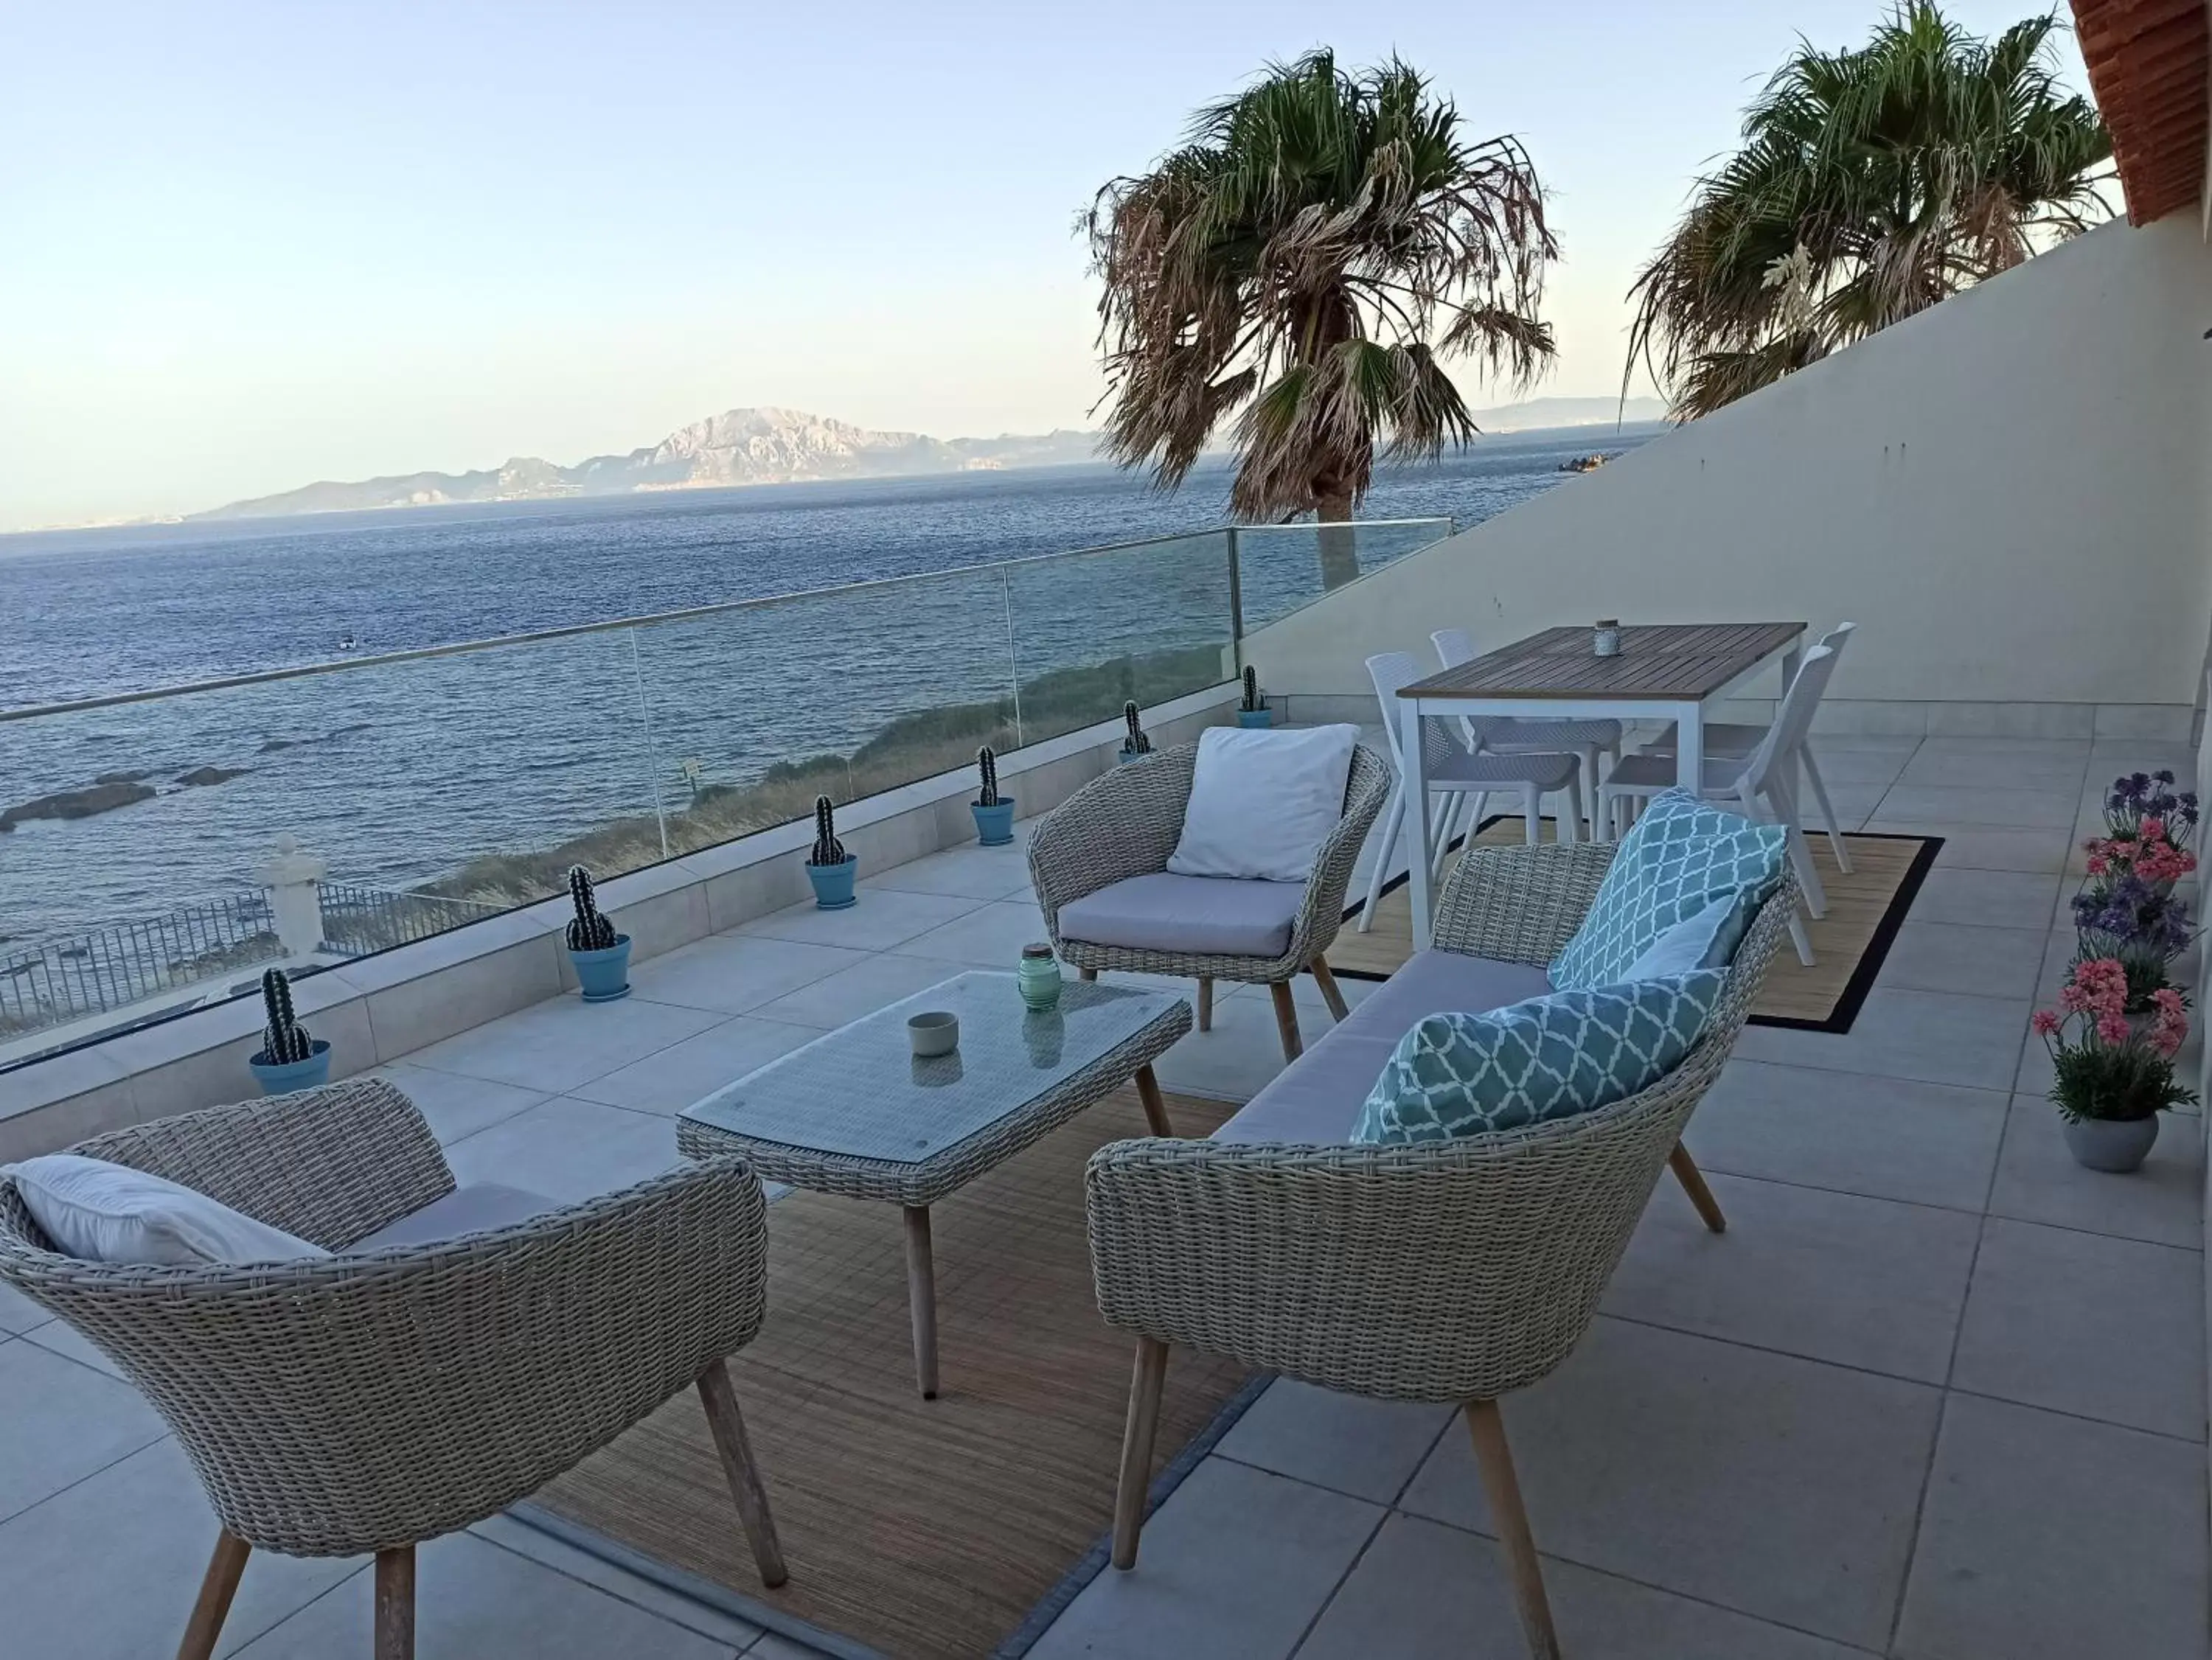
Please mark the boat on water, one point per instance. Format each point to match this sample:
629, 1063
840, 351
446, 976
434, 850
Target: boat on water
1589, 463
347, 643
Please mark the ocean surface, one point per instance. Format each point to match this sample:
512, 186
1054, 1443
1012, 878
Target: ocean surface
398, 773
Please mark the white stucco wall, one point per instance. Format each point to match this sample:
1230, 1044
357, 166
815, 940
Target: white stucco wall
2007, 493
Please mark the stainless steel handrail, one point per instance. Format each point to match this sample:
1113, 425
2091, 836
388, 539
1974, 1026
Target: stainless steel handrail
497, 642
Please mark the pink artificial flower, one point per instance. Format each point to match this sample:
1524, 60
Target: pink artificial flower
2045, 1021
2152, 829
2113, 1028
2097, 862
2167, 999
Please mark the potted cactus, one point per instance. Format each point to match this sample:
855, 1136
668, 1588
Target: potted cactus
1252, 710
600, 955
830, 867
1136, 745
995, 813
289, 1058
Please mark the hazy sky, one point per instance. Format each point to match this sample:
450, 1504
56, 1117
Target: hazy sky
246, 246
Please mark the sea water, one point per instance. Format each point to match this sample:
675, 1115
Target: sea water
399, 773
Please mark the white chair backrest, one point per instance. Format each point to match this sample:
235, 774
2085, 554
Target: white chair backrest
1390, 671
1456, 646
1794, 717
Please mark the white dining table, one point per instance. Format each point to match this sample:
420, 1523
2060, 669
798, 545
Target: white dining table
1662, 671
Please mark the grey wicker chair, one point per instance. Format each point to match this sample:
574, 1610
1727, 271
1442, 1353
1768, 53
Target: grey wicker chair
359, 1404
1455, 1271
1126, 823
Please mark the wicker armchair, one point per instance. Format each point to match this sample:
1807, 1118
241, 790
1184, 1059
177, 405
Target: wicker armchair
1126, 824
366, 1403
1455, 1271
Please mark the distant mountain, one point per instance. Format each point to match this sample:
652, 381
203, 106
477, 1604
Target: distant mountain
1542, 412
785, 446
739, 446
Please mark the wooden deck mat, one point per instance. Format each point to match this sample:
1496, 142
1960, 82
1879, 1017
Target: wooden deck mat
1865, 910
926, 1528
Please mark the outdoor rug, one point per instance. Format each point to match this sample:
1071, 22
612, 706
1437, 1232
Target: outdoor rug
1865, 910
924, 1528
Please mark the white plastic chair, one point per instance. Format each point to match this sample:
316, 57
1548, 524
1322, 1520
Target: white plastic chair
1763, 783
1732, 740
1454, 773
1511, 735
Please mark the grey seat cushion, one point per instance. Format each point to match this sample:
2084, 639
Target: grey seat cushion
1210, 915
1317, 1097
469, 1209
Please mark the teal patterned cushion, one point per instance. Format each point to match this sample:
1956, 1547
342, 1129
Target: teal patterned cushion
1549, 1058
1682, 855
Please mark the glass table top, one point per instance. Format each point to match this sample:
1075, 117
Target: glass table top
859, 1090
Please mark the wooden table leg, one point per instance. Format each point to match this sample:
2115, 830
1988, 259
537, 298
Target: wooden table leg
1088, 973
216, 1589
921, 1297
1156, 1110
1205, 1003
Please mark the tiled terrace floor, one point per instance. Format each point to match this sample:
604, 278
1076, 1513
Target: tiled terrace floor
1937, 1393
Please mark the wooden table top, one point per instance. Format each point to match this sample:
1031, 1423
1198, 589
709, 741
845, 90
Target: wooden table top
1676, 662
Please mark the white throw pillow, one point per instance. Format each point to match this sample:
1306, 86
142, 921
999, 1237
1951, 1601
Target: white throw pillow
110, 1212
1263, 800
1691, 944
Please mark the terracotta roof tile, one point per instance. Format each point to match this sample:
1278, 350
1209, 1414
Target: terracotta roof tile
2147, 61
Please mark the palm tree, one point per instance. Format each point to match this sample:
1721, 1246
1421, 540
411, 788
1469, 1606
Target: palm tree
1871, 184
1306, 260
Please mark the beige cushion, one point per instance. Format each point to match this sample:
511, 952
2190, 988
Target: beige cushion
474, 1208
110, 1212
1317, 1098
1193, 915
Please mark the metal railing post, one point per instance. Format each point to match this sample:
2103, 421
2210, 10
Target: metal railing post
1235, 599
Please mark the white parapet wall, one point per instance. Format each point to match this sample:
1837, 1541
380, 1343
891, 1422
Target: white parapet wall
2007, 492
379, 1007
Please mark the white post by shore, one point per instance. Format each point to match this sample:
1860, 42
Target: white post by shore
292, 878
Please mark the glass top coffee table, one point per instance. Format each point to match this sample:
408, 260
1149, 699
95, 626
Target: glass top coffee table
854, 1113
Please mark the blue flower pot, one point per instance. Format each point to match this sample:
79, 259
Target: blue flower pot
282, 1077
994, 825
603, 974
1255, 716
833, 883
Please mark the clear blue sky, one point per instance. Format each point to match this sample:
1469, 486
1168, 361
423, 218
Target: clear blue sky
245, 246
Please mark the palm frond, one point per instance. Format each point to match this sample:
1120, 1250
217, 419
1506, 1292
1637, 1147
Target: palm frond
1299, 268
1906, 169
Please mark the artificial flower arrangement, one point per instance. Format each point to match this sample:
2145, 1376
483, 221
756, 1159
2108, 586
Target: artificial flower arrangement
2128, 911
2120, 1022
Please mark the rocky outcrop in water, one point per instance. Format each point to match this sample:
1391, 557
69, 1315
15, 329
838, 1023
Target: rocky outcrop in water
115, 790
200, 776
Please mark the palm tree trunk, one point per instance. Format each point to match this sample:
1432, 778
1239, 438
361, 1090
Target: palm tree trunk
1339, 542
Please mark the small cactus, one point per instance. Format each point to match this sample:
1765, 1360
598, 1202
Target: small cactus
283, 1040
1136, 743
828, 850
986, 765
1252, 703
590, 931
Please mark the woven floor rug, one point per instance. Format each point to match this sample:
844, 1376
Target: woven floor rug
924, 1528
1865, 910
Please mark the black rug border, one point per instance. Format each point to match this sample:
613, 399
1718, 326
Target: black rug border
1845, 1014
720, 1599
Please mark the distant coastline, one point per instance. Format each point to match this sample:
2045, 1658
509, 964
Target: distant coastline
744, 447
